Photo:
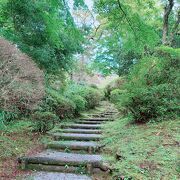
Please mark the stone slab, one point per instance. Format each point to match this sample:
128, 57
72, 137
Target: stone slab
74, 145
83, 126
82, 131
76, 136
56, 176
52, 157
95, 119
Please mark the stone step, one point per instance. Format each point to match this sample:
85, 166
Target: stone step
56, 176
110, 112
81, 131
83, 126
89, 122
96, 115
75, 136
73, 145
109, 115
61, 160
95, 119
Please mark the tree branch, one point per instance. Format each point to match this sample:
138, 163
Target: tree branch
96, 30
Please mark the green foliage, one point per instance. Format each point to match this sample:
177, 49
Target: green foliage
128, 31
7, 117
112, 58
72, 92
79, 101
115, 95
62, 106
152, 88
130, 22
44, 121
115, 84
43, 29
94, 86
144, 151
168, 52
71, 101
91, 95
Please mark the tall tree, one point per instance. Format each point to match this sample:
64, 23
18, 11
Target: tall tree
132, 20
175, 28
125, 31
132, 29
167, 10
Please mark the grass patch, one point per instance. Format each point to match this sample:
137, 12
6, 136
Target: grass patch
16, 140
146, 151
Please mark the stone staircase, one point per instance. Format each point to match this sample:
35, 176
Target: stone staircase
75, 149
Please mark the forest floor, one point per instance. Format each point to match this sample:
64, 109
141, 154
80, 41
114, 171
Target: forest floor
16, 140
143, 151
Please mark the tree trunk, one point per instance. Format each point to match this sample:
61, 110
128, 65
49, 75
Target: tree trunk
167, 11
175, 28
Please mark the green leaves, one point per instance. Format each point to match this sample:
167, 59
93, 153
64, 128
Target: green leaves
131, 28
152, 87
128, 20
44, 29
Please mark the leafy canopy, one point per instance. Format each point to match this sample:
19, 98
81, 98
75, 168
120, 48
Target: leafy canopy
130, 28
44, 29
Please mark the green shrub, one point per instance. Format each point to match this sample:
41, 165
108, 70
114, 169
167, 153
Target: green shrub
71, 101
43, 121
79, 101
91, 95
47, 104
94, 86
6, 117
152, 88
62, 106
115, 84
115, 95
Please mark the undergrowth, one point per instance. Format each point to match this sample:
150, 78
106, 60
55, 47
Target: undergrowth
144, 142
148, 151
13, 141
16, 139
151, 89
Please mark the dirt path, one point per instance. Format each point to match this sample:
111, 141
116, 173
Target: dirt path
74, 151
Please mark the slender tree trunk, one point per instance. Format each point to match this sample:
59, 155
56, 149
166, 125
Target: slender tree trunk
175, 28
167, 11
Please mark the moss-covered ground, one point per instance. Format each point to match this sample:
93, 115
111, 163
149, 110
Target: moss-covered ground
144, 151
